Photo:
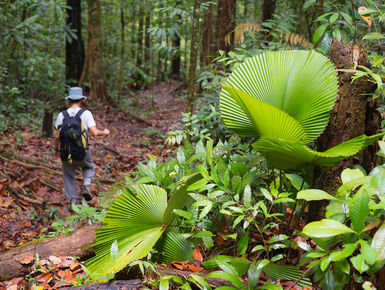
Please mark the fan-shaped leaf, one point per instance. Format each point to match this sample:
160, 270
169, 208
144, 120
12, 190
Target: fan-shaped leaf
134, 223
174, 247
267, 120
301, 83
288, 155
286, 272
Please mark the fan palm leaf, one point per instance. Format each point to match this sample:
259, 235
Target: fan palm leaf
301, 83
294, 155
284, 98
135, 222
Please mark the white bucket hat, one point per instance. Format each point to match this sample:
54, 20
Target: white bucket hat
75, 93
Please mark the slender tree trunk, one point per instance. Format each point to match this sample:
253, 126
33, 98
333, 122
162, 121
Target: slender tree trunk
175, 63
147, 38
122, 48
133, 30
93, 71
74, 48
47, 123
193, 59
354, 113
207, 36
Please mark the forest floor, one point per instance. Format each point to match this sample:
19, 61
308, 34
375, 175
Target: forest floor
31, 186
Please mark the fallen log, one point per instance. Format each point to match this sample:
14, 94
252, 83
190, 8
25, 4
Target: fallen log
76, 244
115, 285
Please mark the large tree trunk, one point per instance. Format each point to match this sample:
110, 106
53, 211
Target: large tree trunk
225, 23
93, 71
207, 41
354, 113
74, 48
268, 9
76, 244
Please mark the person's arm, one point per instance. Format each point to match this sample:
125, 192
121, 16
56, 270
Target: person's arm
95, 131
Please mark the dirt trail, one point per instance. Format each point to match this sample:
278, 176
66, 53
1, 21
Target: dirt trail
30, 176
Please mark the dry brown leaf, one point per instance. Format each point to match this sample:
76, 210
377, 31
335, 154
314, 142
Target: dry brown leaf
27, 260
197, 256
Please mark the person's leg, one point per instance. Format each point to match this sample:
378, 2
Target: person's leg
70, 188
88, 175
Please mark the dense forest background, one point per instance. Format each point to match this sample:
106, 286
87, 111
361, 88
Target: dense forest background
189, 192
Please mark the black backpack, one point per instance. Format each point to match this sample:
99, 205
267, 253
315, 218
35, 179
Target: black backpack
73, 137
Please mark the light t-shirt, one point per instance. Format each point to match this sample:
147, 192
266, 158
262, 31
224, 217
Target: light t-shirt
86, 117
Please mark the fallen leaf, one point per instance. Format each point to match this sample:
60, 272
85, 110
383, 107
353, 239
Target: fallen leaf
27, 260
195, 268
197, 256
55, 260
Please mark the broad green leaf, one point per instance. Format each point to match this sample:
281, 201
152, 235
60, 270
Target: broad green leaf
368, 252
319, 33
326, 228
200, 281
315, 194
359, 263
351, 174
267, 194
345, 253
228, 268
179, 197
243, 243
228, 277
378, 243
359, 210
328, 283
247, 196
240, 264
333, 18
374, 36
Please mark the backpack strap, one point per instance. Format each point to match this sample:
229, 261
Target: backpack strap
65, 114
79, 113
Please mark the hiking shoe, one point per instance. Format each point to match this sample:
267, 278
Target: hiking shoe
86, 193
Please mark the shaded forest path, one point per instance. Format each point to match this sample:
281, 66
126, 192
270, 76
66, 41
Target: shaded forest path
31, 186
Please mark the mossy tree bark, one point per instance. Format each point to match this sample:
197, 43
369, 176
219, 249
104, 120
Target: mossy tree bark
93, 72
354, 113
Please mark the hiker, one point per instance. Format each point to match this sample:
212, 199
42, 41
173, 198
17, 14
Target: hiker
74, 150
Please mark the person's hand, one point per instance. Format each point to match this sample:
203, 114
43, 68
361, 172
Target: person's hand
106, 132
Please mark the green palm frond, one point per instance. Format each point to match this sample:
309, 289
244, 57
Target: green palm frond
301, 83
294, 155
135, 222
284, 98
286, 272
267, 120
174, 247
